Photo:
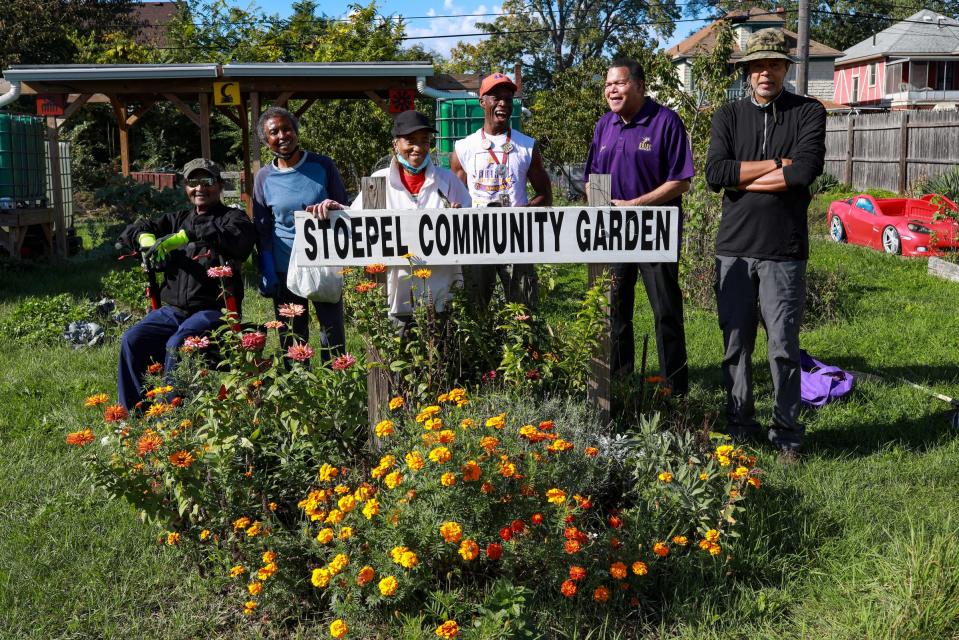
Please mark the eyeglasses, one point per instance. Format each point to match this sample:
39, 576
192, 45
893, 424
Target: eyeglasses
200, 182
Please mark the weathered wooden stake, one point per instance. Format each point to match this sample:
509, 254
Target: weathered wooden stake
598, 194
377, 383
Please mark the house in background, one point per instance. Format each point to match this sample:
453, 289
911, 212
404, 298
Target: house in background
914, 64
153, 18
745, 23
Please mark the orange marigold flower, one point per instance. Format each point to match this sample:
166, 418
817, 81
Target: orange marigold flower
568, 588
469, 550
115, 413
494, 551
448, 479
365, 576
739, 473
601, 594
427, 412
155, 368
80, 438
96, 400
471, 471
486, 487
373, 269
712, 535
666, 477
546, 425
754, 482
338, 628
577, 572
714, 549
537, 518
559, 445
489, 443
661, 549
448, 630
556, 496
148, 443
182, 459
507, 469
172, 539
269, 556
255, 588
572, 546
433, 424
615, 522
237, 570
383, 428
446, 436
451, 531
241, 523
325, 535
159, 409
266, 572
618, 570
497, 422
440, 455
254, 529
592, 452
640, 568
467, 423
681, 541
249, 607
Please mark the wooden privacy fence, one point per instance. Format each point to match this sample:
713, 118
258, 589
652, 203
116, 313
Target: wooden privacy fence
891, 150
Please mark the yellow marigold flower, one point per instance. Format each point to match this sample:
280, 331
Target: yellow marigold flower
335, 516
397, 403
733, 493
559, 445
471, 471
724, 461
432, 424
459, 396
712, 535
556, 496
341, 489
618, 570
158, 391
204, 534
327, 473
423, 274
393, 479
704, 476
363, 493
325, 536
666, 477
255, 588
469, 550
338, 563
427, 412
388, 586
724, 450
254, 529
414, 460
408, 560
96, 400
489, 443
241, 523
739, 473
704, 544
397, 552
371, 508
266, 572
383, 428
365, 576
249, 607
347, 503
269, 556
754, 482
497, 422
640, 568
451, 531
186, 423
448, 479
172, 538
320, 578
338, 629
448, 630
346, 533
661, 549
591, 452
446, 436
681, 541
443, 397
507, 469
714, 549
237, 570
440, 455
467, 423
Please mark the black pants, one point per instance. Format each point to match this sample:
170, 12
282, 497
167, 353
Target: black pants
661, 280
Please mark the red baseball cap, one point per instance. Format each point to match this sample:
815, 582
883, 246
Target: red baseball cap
490, 82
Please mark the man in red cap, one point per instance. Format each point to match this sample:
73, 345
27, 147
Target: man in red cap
495, 163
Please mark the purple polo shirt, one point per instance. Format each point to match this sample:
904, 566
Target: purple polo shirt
652, 148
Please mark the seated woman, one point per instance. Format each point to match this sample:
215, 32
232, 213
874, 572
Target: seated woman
184, 245
413, 182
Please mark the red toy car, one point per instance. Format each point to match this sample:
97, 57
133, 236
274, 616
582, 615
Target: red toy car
912, 227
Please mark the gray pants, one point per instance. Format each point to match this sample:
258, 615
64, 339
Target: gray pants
780, 288
519, 283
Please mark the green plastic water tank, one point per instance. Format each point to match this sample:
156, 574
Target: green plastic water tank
459, 117
23, 174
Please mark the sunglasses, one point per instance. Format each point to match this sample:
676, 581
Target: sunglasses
201, 182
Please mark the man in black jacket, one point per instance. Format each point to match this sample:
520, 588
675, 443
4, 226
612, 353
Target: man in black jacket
187, 244
764, 152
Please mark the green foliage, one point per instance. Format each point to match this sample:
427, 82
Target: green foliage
945, 184
127, 200
825, 295
127, 287
43, 319
826, 182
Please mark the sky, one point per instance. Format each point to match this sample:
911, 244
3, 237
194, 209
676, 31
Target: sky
427, 19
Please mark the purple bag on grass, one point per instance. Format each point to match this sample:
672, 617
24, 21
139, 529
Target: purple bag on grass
822, 383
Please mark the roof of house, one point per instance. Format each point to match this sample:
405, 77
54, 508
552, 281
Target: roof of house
704, 40
924, 32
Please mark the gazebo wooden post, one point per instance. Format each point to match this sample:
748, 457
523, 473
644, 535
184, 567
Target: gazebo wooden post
120, 113
377, 384
245, 134
254, 134
53, 150
598, 194
205, 125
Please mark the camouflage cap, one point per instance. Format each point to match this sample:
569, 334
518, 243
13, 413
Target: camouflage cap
202, 164
765, 44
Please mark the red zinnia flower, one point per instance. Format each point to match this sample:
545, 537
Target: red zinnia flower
253, 341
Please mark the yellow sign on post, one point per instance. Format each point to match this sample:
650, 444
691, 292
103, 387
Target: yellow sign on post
226, 93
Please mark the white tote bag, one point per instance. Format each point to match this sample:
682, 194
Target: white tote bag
322, 284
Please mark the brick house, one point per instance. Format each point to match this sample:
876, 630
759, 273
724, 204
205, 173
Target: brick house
914, 64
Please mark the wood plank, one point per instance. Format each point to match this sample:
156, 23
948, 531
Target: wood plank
245, 136
183, 108
228, 112
120, 113
282, 99
26, 217
139, 113
599, 386
377, 383
254, 135
303, 107
903, 151
943, 269
73, 107
379, 102
205, 146
850, 147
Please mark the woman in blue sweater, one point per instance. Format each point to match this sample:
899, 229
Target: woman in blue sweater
294, 181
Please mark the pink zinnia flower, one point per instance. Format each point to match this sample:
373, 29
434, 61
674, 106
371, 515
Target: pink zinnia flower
253, 341
300, 352
219, 272
344, 362
291, 310
532, 374
489, 376
195, 342
274, 324
522, 317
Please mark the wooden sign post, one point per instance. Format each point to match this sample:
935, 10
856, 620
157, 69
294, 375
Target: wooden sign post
377, 384
598, 194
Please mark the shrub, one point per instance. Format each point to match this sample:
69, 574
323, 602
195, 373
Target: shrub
945, 184
127, 199
42, 319
127, 287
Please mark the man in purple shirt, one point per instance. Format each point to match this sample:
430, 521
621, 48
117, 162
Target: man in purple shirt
644, 147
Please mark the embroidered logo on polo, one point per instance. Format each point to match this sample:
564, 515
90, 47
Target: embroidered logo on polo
645, 144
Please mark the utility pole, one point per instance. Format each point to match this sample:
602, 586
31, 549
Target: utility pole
802, 49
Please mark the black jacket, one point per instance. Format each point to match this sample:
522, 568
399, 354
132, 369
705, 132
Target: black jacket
221, 236
771, 226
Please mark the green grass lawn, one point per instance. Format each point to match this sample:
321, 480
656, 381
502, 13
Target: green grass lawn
860, 539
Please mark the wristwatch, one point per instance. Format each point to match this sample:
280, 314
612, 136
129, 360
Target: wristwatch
779, 163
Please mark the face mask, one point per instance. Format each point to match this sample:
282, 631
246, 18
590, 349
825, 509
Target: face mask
286, 156
414, 170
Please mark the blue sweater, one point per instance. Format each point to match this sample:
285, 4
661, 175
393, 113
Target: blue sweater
277, 193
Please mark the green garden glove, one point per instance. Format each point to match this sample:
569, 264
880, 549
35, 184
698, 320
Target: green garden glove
146, 240
166, 244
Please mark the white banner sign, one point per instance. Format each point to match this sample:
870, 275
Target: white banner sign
489, 236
